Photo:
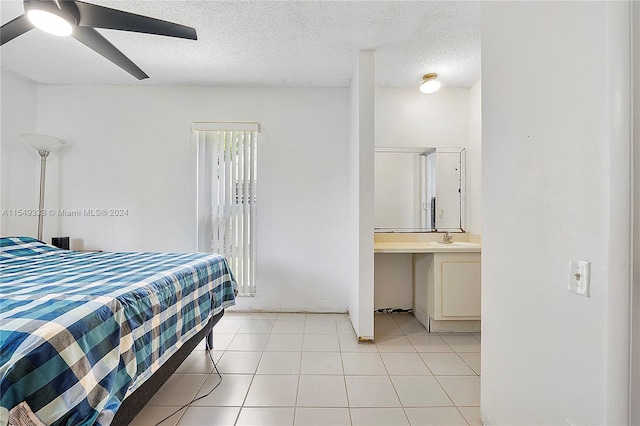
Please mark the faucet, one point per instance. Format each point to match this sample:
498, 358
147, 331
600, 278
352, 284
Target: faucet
446, 238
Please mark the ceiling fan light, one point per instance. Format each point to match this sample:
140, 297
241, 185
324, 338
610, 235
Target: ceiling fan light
50, 22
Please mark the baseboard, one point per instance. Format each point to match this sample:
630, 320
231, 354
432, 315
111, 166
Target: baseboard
454, 326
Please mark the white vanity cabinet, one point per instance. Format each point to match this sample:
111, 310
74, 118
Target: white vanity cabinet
445, 281
446, 290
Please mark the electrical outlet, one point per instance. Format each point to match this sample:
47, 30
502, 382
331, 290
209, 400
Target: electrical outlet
580, 277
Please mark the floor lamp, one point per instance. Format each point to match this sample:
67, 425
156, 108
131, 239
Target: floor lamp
45, 145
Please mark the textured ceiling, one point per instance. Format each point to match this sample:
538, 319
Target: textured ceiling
266, 43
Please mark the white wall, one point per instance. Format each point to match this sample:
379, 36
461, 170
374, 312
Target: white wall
473, 180
361, 153
635, 323
393, 281
20, 174
131, 150
406, 117
555, 187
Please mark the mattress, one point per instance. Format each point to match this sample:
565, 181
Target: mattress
79, 331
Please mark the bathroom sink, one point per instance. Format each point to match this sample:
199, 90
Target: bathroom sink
453, 244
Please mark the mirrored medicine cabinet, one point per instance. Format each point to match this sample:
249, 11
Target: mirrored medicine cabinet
419, 189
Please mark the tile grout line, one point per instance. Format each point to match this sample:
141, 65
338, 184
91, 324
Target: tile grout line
244, 400
295, 406
341, 350
436, 377
432, 374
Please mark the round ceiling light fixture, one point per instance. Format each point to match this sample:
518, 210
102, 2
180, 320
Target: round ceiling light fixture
429, 83
51, 19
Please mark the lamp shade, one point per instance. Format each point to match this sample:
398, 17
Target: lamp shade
43, 142
429, 83
430, 86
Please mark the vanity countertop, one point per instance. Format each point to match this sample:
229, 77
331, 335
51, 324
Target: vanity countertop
424, 247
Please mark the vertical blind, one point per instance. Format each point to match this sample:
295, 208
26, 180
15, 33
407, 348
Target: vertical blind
228, 153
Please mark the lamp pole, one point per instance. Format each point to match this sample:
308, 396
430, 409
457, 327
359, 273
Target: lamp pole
44, 145
43, 167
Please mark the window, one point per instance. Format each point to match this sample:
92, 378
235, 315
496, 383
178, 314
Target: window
227, 154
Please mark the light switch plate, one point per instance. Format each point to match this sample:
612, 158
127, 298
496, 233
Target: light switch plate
580, 277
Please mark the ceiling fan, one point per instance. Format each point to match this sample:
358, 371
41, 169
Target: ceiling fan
78, 19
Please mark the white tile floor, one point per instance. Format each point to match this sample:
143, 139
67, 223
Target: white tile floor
308, 369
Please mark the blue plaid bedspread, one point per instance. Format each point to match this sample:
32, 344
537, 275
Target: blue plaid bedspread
81, 331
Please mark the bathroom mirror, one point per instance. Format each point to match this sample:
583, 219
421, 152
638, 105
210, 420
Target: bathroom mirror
419, 189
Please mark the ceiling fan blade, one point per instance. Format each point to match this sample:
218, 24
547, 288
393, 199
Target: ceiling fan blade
14, 28
92, 39
92, 15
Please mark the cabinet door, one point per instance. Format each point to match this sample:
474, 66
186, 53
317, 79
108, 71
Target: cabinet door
460, 289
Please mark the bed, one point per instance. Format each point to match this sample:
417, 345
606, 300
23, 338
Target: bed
88, 337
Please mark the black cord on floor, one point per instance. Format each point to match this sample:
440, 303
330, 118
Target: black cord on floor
200, 397
392, 310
